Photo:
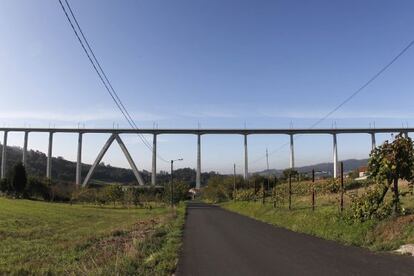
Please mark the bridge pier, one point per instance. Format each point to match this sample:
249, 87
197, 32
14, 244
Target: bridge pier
130, 160
373, 143
198, 175
246, 159
98, 159
292, 153
49, 157
79, 161
25, 142
4, 156
154, 160
102, 153
335, 156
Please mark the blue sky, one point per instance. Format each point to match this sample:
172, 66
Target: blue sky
217, 63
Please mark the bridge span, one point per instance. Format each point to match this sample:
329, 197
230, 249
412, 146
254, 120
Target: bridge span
199, 132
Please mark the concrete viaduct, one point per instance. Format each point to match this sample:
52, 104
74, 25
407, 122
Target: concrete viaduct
199, 132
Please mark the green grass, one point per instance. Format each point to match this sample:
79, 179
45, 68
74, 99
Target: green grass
41, 238
327, 222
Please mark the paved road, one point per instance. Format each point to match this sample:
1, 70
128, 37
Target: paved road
219, 242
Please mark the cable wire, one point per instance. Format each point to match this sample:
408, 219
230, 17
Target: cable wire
350, 97
102, 76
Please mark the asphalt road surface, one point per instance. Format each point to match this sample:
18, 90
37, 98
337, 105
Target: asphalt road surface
219, 242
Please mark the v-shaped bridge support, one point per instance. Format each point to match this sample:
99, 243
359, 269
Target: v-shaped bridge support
102, 153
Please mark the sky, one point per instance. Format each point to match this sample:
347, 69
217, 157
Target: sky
213, 64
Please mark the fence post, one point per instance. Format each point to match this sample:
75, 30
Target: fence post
313, 190
263, 194
290, 191
342, 186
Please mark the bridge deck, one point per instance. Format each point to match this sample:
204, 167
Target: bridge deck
240, 131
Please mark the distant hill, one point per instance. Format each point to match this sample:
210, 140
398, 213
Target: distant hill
64, 170
327, 168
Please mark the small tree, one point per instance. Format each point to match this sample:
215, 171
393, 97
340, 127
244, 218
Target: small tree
292, 172
114, 193
19, 179
390, 162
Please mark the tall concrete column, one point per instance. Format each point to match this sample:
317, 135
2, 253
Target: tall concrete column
292, 153
26, 138
246, 160
4, 156
49, 157
79, 161
198, 176
335, 156
154, 160
373, 143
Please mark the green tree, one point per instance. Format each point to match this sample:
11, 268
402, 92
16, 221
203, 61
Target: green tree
180, 191
114, 193
219, 188
19, 179
390, 162
288, 172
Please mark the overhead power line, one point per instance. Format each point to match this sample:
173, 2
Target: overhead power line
102, 75
351, 96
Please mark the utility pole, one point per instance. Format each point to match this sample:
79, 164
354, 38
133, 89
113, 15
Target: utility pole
172, 183
290, 191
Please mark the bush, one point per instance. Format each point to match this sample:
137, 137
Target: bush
244, 194
278, 195
114, 193
60, 191
37, 188
218, 189
5, 186
84, 194
19, 179
180, 192
370, 205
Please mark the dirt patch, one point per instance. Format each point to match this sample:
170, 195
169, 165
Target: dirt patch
392, 229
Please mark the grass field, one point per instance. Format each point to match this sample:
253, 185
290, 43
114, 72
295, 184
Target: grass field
327, 222
41, 238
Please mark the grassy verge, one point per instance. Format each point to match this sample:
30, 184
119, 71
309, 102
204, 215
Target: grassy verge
326, 222
157, 254
51, 238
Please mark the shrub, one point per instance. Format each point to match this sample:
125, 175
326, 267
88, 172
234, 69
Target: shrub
278, 195
370, 205
37, 188
244, 194
218, 189
5, 186
19, 179
114, 193
180, 192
